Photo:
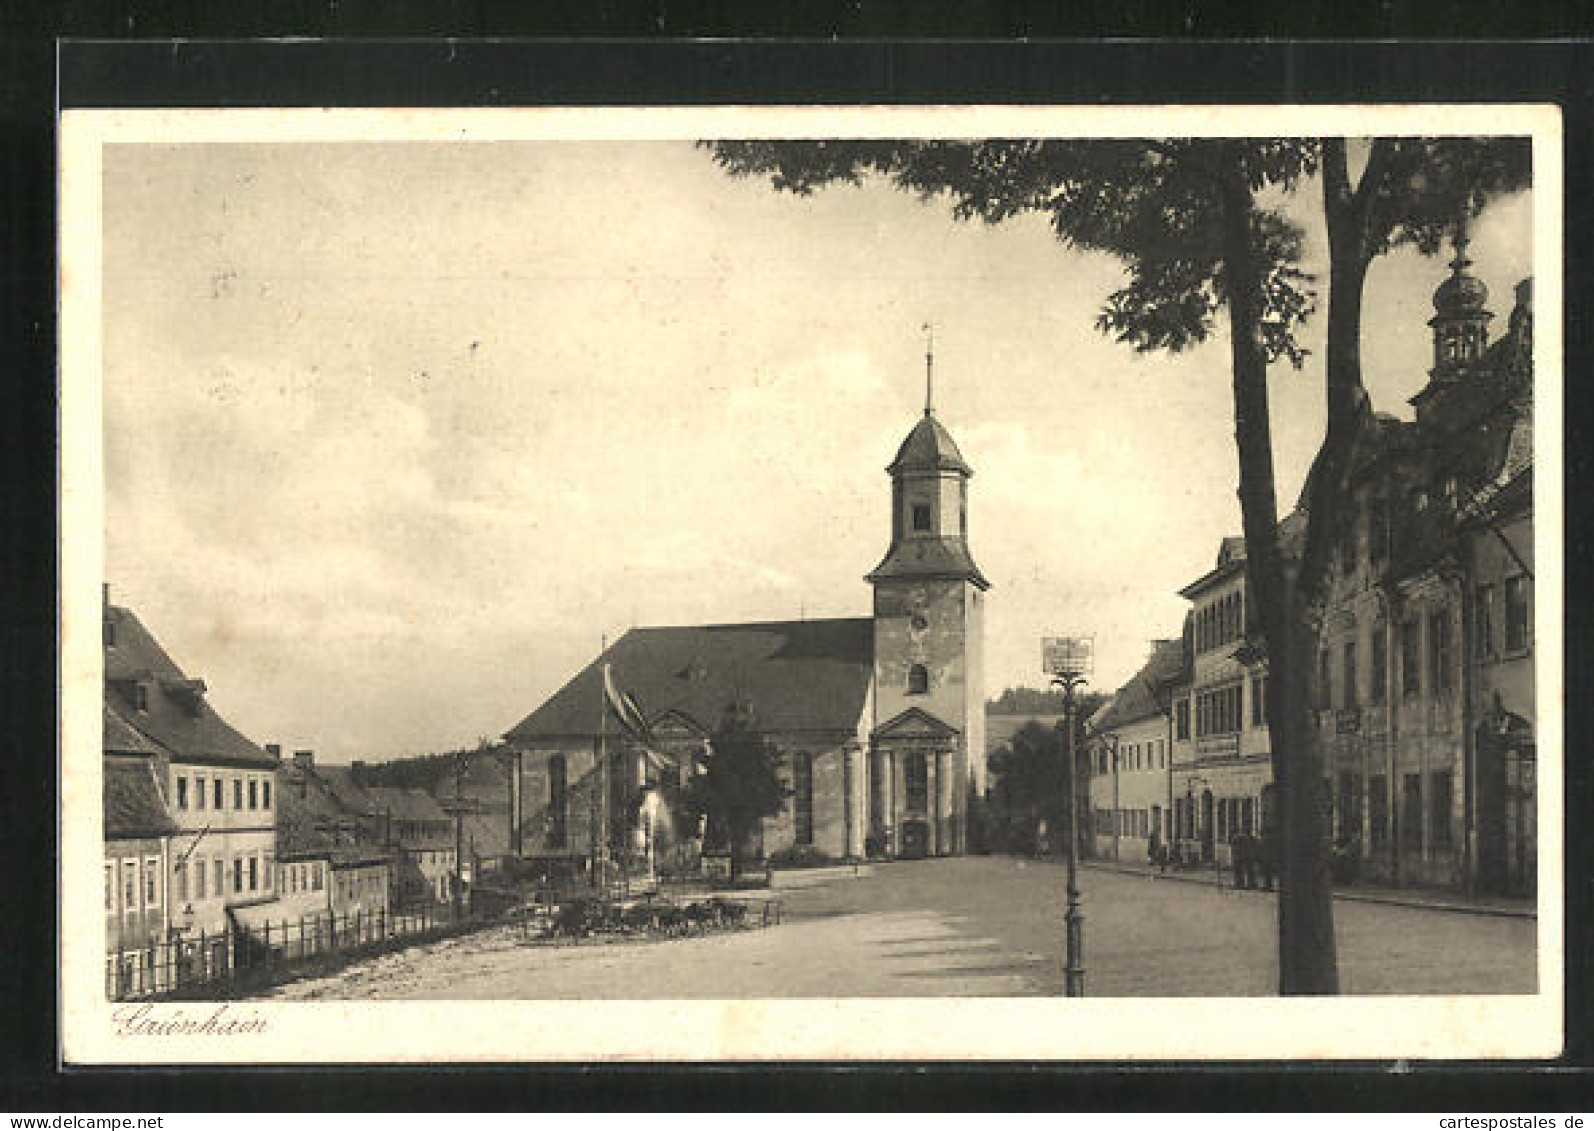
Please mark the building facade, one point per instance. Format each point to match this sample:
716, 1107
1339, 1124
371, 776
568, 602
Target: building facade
215, 786
1424, 681
880, 719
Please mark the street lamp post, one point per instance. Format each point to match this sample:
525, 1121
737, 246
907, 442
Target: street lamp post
1067, 660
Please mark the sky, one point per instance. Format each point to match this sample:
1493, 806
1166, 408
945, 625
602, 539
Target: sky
398, 434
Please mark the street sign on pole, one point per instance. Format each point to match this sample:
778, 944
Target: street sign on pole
1067, 655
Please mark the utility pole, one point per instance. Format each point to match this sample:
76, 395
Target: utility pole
459, 837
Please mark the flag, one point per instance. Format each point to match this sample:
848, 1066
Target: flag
626, 709
628, 713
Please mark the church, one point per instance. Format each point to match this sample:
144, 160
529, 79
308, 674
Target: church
880, 719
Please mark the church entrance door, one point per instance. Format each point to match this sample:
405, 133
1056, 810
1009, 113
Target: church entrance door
915, 840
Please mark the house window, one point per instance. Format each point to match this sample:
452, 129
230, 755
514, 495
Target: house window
182, 791
180, 871
1410, 815
1378, 810
921, 516
1483, 615
802, 774
129, 886
1380, 666
1325, 683
216, 793
237, 875
1350, 675
237, 793
110, 883
918, 680
265, 794
1439, 650
1181, 721
267, 869
1518, 622
254, 794
558, 801
152, 871
1439, 799
1410, 668
199, 879
219, 874
1259, 701
315, 876
199, 793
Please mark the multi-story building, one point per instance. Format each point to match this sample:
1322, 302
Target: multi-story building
138, 832
1132, 752
1426, 677
422, 838
1223, 773
215, 785
329, 861
1424, 680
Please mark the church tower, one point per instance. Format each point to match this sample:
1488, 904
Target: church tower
1460, 325
928, 741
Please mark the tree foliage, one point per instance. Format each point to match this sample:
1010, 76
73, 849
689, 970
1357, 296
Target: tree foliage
741, 784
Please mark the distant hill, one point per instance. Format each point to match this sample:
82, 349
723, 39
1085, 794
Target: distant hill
1026, 701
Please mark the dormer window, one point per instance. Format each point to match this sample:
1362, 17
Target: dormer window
918, 680
921, 517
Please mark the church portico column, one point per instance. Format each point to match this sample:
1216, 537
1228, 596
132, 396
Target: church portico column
942, 801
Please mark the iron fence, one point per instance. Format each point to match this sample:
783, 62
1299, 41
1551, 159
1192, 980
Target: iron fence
239, 954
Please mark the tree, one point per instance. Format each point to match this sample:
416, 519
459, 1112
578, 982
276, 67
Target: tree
1027, 780
1185, 219
740, 785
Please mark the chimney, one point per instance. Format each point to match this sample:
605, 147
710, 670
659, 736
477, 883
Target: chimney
274, 750
304, 760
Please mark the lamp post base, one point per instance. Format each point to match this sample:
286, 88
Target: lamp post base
1074, 971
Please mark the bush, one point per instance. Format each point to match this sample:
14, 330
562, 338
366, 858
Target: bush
799, 856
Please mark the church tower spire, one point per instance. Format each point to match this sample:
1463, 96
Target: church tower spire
1460, 322
929, 369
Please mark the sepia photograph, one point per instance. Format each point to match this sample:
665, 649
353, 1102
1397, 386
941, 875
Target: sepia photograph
933, 582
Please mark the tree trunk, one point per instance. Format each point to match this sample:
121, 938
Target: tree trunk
1306, 952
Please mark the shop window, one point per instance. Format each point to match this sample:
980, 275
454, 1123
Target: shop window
1439, 653
1484, 616
1439, 803
1410, 669
1518, 621
1410, 815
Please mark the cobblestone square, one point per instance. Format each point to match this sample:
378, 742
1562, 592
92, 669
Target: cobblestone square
975, 926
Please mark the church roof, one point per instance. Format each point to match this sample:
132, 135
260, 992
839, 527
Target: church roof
810, 675
930, 557
929, 447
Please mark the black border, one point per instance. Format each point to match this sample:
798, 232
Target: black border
640, 72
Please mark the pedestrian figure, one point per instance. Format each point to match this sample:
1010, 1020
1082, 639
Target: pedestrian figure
1240, 857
